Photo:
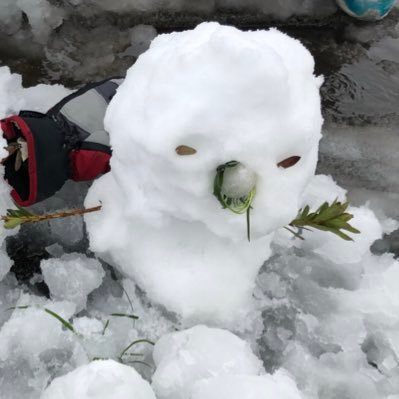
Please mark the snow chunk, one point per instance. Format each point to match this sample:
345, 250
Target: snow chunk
182, 358
140, 39
72, 277
280, 385
105, 379
16, 334
34, 346
160, 222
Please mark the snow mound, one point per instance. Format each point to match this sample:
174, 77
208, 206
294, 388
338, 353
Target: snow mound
251, 97
185, 357
72, 277
101, 379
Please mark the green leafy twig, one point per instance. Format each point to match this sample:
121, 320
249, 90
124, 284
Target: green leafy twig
328, 217
16, 217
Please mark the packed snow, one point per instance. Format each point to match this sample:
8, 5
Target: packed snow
310, 319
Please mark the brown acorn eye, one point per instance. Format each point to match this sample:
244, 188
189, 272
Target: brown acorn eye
185, 150
289, 162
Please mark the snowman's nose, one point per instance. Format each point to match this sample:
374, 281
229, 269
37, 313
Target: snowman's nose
238, 181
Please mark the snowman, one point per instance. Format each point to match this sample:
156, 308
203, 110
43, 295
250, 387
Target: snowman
215, 136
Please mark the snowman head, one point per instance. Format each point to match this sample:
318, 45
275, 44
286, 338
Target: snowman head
200, 99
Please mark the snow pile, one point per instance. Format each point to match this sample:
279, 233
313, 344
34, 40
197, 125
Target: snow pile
72, 278
208, 363
100, 380
331, 309
160, 222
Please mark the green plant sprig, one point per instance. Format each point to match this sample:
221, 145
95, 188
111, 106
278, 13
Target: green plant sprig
328, 217
16, 217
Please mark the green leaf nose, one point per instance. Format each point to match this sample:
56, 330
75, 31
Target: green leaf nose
235, 188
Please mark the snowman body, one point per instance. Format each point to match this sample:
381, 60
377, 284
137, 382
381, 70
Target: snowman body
250, 97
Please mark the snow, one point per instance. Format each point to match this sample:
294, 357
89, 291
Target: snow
35, 347
100, 380
238, 181
72, 278
188, 356
154, 198
15, 98
280, 385
318, 320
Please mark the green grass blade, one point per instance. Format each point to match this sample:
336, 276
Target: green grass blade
65, 323
17, 307
130, 316
105, 327
138, 341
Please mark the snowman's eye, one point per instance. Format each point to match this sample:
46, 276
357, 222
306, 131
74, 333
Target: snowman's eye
289, 162
185, 150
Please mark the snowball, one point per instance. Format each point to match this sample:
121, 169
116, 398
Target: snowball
257, 102
238, 181
182, 358
105, 379
277, 386
72, 277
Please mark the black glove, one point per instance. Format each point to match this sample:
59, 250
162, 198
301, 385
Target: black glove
68, 142
38, 162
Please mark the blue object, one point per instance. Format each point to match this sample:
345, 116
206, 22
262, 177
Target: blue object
369, 10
